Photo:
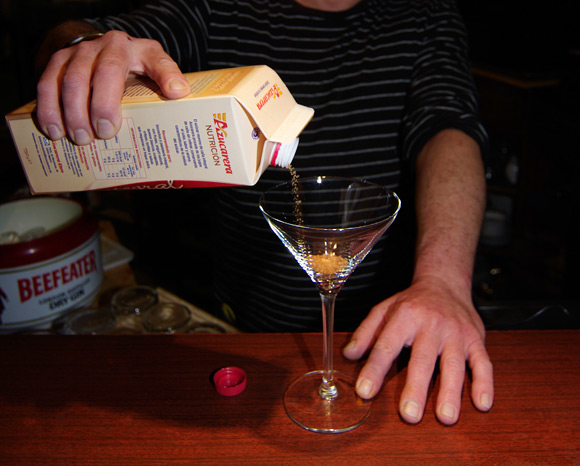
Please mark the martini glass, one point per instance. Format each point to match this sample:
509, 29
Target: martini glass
329, 224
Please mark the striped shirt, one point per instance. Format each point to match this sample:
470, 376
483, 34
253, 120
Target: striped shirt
383, 77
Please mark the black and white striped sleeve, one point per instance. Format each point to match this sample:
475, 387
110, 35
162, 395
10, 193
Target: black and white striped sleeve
442, 93
179, 25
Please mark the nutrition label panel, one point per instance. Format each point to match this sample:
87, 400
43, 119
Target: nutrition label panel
119, 157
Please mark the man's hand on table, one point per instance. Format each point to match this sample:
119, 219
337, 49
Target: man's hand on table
436, 322
80, 90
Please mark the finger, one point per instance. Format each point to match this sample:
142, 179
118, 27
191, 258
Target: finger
76, 93
367, 332
482, 391
452, 365
381, 357
126, 54
419, 375
163, 70
108, 87
48, 109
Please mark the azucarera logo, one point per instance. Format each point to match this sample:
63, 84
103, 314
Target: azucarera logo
271, 93
220, 125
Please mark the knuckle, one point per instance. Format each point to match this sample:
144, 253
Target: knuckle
365, 328
84, 47
384, 349
150, 46
478, 357
153, 45
450, 326
111, 66
44, 87
422, 360
452, 393
45, 112
486, 365
165, 62
375, 370
60, 56
74, 80
453, 363
47, 115
114, 35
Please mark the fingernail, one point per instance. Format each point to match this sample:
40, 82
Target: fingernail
54, 132
351, 346
364, 388
177, 85
447, 410
411, 409
485, 401
105, 129
81, 137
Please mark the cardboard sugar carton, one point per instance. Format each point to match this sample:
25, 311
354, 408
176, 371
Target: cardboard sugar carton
227, 131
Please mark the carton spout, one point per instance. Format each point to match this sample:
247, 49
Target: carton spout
279, 154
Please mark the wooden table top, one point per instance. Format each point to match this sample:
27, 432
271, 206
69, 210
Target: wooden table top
145, 399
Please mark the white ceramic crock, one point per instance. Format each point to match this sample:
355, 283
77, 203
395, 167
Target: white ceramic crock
58, 270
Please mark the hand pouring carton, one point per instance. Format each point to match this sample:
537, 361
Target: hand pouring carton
227, 131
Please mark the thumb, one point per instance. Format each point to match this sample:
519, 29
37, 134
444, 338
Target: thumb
164, 71
176, 87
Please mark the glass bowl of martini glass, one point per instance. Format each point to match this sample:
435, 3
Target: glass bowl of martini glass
329, 224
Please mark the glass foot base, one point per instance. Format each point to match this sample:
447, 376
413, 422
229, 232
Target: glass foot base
308, 409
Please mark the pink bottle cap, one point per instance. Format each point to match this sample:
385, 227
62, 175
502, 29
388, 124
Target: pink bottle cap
230, 381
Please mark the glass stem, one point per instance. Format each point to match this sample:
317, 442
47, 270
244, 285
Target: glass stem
328, 389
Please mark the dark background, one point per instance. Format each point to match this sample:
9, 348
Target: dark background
526, 62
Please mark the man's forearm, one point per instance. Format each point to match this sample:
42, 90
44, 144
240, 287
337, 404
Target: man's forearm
450, 205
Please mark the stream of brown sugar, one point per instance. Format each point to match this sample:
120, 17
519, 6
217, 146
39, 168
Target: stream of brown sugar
296, 195
326, 263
